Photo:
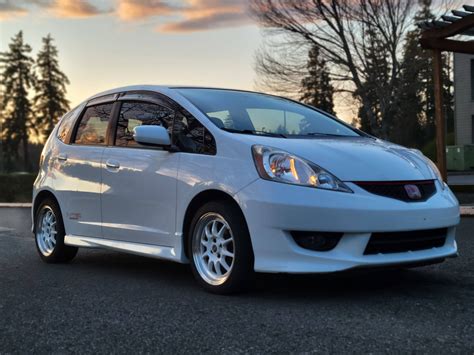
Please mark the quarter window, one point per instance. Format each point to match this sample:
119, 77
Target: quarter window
92, 129
191, 136
133, 114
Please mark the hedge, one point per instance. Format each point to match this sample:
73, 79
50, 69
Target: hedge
16, 187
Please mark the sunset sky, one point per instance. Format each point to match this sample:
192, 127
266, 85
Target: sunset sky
108, 43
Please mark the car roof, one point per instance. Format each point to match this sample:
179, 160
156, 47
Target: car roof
159, 88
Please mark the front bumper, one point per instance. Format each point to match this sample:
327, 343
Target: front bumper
272, 210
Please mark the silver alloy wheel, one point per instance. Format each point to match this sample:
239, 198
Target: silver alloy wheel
213, 248
46, 230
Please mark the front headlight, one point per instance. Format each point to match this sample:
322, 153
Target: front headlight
278, 165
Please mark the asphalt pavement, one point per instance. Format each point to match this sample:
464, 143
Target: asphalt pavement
108, 302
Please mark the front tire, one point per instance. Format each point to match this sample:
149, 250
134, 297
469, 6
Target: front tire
220, 249
49, 234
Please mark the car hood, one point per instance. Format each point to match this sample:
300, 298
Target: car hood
357, 158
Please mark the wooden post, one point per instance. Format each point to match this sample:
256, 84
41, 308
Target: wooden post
439, 116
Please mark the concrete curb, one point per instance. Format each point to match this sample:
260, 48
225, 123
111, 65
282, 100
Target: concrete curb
466, 211
15, 205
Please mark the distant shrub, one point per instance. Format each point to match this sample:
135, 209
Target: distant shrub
16, 187
430, 148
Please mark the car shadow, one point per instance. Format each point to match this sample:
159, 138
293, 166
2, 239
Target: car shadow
352, 284
347, 285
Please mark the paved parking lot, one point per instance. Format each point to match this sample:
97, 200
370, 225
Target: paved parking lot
111, 302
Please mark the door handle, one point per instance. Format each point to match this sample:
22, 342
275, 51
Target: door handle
112, 164
62, 157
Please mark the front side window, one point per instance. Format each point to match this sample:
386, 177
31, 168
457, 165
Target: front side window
254, 112
92, 129
133, 114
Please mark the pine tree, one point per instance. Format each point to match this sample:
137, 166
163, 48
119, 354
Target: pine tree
415, 123
375, 85
17, 78
50, 99
317, 89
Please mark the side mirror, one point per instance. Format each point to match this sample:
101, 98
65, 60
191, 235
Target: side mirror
151, 135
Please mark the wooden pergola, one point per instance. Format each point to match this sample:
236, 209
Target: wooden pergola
436, 36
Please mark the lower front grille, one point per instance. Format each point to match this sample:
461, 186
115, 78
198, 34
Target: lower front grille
399, 242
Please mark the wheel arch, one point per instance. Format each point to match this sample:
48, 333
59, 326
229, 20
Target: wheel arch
199, 200
40, 197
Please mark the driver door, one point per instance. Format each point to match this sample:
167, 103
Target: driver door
139, 182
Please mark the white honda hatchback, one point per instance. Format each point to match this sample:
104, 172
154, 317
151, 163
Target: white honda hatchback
235, 182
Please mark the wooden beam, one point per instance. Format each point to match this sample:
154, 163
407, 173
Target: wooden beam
450, 18
440, 120
449, 45
457, 27
468, 8
468, 32
439, 24
460, 13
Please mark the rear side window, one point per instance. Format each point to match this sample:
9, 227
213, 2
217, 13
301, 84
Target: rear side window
133, 114
66, 124
92, 129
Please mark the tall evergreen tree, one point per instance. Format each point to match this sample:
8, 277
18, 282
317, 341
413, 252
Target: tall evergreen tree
316, 87
17, 78
376, 88
50, 99
415, 122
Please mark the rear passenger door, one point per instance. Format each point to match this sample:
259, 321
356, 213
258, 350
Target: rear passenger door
139, 182
78, 163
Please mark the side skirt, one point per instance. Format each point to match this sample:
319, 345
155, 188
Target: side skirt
150, 250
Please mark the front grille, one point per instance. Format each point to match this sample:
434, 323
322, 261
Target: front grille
399, 242
396, 189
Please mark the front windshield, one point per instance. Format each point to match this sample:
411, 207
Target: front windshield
247, 112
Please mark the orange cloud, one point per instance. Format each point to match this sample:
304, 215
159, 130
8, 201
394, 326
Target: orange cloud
130, 10
200, 15
74, 8
207, 22
188, 16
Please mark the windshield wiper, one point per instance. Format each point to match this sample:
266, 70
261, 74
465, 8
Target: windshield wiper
325, 134
254, 132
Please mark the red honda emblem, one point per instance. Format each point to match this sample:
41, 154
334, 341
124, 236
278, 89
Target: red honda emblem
413, 192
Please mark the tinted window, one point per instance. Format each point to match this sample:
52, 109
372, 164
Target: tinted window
191, 136
92, 129
133, 114
258, 112
66, 124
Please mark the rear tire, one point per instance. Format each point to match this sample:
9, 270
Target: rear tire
220, 249
49, 234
